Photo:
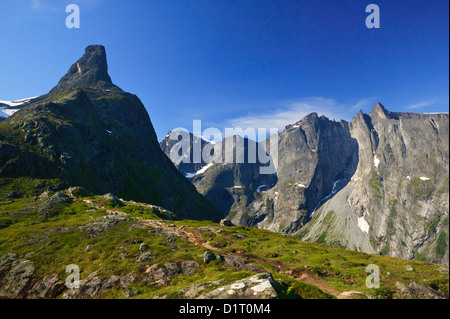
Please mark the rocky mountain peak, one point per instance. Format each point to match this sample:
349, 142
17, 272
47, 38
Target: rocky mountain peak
380, 110
90, 71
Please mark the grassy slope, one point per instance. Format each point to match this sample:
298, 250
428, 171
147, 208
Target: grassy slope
53, 243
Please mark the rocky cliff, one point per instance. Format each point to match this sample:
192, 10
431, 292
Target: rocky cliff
397, 201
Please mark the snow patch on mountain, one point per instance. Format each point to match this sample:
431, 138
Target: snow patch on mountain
200, 171
259, 188
363, 225
376, 161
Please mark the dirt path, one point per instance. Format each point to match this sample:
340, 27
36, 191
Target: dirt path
195, 237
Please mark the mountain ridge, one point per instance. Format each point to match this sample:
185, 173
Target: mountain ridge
320, 159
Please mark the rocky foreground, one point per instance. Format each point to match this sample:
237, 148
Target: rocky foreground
125, 249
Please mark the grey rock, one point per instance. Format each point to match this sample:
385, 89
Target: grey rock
112, 198
193, 291
442, 270
409, 268
131, 293
241, 264
101, 225
226, 222
55, 200
92, 286
144, 257
189, 267
77, 191
48, 288
44, 195
128, 279
18, 280
162, 276
143, 247
260, 286
208, 257
417, 291
6, 260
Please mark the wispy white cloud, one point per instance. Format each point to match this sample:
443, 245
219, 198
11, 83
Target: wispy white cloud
42, 6
423, 103
55, 6
289, 112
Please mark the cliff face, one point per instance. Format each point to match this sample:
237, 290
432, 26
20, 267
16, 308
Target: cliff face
88, 132
378, 184
397, 201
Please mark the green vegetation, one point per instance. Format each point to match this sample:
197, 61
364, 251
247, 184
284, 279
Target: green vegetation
59, 240
385, 250
441, 244
375, 183
420, 189
420, 257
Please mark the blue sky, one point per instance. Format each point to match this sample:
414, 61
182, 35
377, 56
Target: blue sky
238, 63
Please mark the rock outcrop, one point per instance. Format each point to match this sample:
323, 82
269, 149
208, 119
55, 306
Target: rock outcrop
260, 286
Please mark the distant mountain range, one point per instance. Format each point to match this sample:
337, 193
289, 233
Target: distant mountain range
377, 184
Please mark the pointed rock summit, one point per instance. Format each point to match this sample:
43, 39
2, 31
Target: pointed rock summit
380, 110
91, 71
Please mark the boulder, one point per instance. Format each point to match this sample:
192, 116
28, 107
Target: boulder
192, 291
143, 247
161, 276
226, 222
55, 200
101, 225
92, 286
112, 199
417, 291
260, 286
48, 288
18, 280
208, 257
409, 268
131, 293
144, 257
78, 191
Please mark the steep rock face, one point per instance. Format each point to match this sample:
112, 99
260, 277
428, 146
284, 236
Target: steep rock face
87, 132
316, 157
91, 71
397, 201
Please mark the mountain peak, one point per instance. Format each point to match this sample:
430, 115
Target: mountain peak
380, 110
90, 71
